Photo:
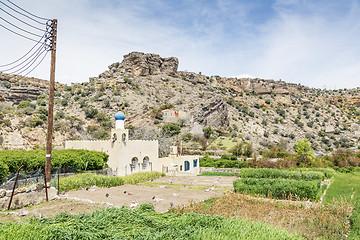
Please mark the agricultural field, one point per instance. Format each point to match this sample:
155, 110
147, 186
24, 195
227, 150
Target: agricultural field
281, 184
141, 223
198, 207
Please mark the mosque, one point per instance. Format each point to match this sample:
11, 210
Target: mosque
131, 156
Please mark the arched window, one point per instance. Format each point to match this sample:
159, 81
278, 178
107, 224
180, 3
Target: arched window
134, 162
123, 137
195, 161
114, 138
145, 163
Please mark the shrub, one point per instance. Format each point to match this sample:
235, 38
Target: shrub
171, 129
64, 102
242, 149
278, 188
91, 112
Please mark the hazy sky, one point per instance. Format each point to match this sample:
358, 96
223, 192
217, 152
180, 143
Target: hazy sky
312, 42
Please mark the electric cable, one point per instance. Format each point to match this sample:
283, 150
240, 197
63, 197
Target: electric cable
27, 11
24, 54
31, 63
37, 50
37, 64
24, 14
19, 34
34, 34
21, 20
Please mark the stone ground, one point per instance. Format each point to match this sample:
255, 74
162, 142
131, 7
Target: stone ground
162, 193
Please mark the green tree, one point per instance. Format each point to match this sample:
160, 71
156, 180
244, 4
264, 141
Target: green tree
304, 152
242, 149
207, 132
171, 128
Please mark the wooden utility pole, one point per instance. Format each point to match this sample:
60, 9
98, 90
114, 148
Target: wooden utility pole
51, 102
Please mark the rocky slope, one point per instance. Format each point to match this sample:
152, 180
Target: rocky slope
144, 86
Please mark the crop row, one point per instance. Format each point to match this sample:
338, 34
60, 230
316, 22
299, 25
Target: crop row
277, 173
278, 188
89, 179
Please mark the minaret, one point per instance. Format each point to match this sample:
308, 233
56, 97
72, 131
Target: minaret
120, 120
119, 134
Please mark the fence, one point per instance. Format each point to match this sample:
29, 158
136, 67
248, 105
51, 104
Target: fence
27, 178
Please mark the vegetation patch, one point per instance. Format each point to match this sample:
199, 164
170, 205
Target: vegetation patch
328, 221
278, 188
142, 223
344, 185
277, 173
11, 160
89, 179
226, 174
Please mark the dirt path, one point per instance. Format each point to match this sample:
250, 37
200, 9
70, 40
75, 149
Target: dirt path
163, 193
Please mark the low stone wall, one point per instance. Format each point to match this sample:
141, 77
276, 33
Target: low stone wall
213, 169
25, 196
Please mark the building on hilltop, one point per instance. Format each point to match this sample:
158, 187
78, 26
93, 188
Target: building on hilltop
131, 156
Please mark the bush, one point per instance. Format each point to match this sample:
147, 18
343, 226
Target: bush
171, 128
278, 188
91, 113
242, 149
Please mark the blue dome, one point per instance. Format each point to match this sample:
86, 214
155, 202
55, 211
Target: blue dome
119, 116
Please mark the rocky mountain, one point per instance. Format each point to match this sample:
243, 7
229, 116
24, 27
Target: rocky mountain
152, 92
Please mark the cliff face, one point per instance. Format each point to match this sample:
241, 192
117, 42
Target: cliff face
263, 112
15, 88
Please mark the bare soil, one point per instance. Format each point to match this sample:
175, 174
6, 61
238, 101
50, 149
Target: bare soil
163, 193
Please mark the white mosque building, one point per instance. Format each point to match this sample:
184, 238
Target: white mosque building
130, 156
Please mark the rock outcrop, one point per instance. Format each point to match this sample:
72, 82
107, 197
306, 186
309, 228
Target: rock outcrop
141, 64
214, 113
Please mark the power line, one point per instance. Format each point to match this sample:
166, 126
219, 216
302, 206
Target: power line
19, 34
34, 34
24, 14
37, 50
21, 20
31, 63
37, 64
27, 11
5, 65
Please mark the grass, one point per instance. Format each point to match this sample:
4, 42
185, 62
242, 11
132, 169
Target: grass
142, 223
344, 185
226, 143
347, 186
84, 180
329, 221
225, 174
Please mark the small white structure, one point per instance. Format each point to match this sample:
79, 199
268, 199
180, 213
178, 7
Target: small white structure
131, 156
173, 115
176, 165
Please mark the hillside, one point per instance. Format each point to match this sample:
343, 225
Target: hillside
149, 89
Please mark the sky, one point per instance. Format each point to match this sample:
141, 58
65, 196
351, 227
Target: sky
311, 42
